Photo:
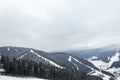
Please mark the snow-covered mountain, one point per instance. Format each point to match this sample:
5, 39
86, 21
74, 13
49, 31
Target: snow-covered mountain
60, 60
29, 54
72, 62
103, 62
112, 66
106, 59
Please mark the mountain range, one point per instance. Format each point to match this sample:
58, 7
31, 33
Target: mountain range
103, 62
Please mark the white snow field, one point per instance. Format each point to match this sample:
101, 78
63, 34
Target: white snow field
118, 78
31, 78
3, 77
104, 65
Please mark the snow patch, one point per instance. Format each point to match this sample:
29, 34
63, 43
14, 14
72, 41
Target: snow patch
31, 51
115, 71
2, 70
118, 78
114, 58
99, 63
103, 76
8, 49
22, 56
94, 57
70, 59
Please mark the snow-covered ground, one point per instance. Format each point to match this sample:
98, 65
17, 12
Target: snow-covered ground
100, 64
30, 78
118, 78
106, 66
100, 74
17, 78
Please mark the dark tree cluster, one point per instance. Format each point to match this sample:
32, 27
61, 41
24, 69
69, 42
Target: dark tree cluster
115, 64
19, 67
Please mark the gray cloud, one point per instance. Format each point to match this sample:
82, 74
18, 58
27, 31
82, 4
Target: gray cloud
59, 24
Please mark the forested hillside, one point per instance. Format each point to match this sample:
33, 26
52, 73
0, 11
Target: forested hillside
29, 68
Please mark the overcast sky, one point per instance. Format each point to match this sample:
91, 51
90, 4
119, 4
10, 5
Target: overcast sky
59, 24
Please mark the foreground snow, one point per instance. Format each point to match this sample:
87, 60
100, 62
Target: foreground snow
31, 78
17, 78
118, 78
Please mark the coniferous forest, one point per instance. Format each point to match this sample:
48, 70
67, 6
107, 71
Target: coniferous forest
28, 68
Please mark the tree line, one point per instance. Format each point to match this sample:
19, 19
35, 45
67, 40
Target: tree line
29, 68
